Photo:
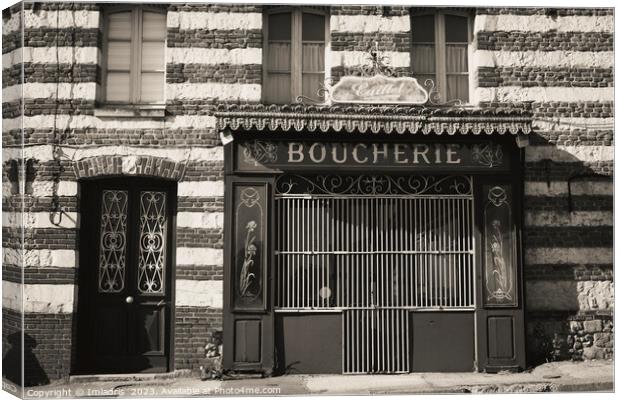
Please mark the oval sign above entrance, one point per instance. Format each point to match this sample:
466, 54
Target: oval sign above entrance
378, 89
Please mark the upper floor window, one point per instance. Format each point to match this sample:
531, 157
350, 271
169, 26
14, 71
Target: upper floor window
294, 60
440, 53
134, 65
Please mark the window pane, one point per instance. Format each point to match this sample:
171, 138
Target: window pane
153, 56
456, 29
117, 88
313, 57
278, 88
456, 58
313, 27
458, 87
279, 57
119, 25
119, 55
423, 58
152, 87
280, 26
153, 26
311, 83
423, 28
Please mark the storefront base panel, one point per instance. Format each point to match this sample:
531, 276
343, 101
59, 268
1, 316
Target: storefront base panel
442, 342
309, 343
557, 336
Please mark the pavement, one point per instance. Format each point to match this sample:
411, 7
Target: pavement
567, 376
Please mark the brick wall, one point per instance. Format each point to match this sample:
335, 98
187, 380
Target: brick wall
194, 328
560, 61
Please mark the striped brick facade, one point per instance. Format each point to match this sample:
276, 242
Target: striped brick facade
214, 56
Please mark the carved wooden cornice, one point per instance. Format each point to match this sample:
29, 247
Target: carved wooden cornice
372, 119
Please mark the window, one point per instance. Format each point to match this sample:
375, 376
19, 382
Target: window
295, 54
440, 52
134, 56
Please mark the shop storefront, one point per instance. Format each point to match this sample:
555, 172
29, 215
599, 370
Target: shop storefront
373, 239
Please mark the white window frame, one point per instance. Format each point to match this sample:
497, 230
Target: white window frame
296, 47
135, 65
441, 77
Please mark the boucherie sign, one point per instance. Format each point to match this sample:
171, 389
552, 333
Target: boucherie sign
262, 155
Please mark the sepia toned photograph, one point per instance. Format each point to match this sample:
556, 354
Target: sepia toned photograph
233, 199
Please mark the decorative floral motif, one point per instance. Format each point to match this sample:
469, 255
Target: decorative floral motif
112, 243
497, 196
501, 287
249, 197
246, 276
259, 152
489, 154
356, 185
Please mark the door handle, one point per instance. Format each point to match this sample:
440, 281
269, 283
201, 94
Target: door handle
129, 299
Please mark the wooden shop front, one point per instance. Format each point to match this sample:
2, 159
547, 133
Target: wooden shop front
372, 239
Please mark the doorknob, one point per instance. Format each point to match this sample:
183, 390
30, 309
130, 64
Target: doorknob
129, 299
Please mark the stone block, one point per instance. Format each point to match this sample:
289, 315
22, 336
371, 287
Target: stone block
603, 340
593, 353
593, 326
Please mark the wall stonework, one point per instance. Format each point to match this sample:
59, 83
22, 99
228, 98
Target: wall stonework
558, 337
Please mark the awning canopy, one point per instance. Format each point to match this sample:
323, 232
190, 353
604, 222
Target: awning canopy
374, 119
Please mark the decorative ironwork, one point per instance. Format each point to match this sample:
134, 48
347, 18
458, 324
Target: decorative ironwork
434, 96
112, 242
489, 154
151, 261
246, 277
260, 152
379, 63
356, 185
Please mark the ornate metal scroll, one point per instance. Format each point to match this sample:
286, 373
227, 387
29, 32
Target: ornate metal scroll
434, 96
500, 271
488, 154
113, 241
249, 258
152, 241
356, 185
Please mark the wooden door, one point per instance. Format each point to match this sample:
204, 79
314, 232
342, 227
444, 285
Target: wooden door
125, 276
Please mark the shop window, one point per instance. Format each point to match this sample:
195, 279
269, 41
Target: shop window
440, 53
294, 59
134, 48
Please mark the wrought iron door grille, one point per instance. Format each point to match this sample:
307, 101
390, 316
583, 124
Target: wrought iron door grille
374, 247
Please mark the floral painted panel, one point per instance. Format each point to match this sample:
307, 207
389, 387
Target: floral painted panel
499, 248
249, 248
113, 241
